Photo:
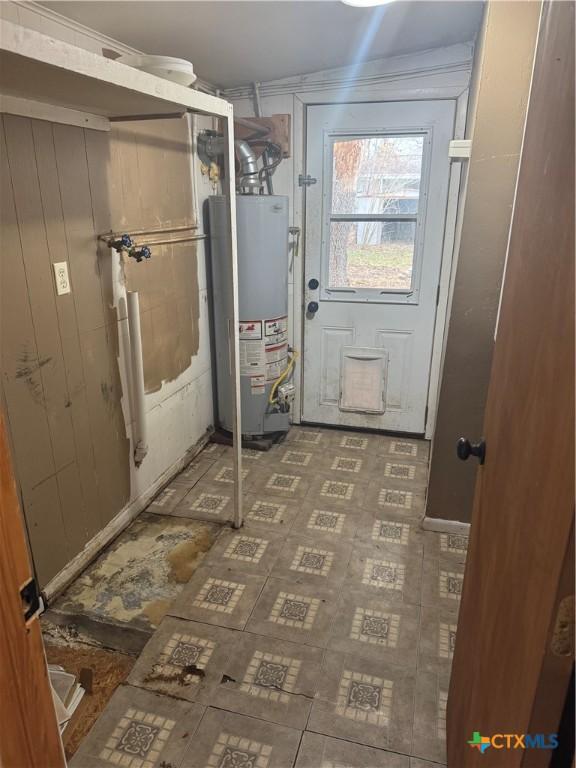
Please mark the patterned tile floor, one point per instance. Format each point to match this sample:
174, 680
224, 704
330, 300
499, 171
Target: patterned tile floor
320, 635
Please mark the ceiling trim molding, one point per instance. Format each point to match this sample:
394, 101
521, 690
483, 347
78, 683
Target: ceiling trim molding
75, 26
99, 37
438, 61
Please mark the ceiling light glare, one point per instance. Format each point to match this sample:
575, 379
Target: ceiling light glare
366, 3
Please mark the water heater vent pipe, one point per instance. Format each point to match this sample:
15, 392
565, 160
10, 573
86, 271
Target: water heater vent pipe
248, 176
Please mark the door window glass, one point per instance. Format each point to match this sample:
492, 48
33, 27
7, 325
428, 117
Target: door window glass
372, 254
374, 211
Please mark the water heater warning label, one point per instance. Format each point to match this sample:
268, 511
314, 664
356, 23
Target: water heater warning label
252, 358
263, 350
276, 342
258, 385
252, 349
250, 329
276, 330
276, 360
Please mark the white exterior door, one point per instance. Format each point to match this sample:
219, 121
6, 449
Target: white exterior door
374, 234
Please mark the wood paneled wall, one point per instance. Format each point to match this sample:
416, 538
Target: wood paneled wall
59, 354
61, 187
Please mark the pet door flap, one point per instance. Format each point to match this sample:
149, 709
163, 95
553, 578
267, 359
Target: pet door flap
363, 375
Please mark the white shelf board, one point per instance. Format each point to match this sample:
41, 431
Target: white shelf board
35, 66
13, 105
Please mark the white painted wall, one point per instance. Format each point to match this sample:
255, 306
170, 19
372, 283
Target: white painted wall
440, 73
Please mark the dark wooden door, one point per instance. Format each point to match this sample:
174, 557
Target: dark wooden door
29, 733
523, 514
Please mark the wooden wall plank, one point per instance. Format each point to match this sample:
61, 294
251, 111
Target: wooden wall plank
41, 288
20, 377
111, 445
81, 516
79, 225
99, 176
48, 541
82, 203
78, 524
279, 126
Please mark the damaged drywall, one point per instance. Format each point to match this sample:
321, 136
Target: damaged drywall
151, 188
169, 311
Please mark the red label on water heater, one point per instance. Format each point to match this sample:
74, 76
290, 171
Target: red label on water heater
263, 349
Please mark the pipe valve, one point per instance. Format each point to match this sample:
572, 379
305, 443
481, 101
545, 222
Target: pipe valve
139, 254
122, 244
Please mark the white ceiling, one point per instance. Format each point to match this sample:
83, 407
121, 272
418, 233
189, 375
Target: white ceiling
235, 43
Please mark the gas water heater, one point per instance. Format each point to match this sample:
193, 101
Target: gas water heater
262, 236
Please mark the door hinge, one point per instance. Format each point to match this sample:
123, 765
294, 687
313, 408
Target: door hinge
32, 603
425, 417
438, 295
306, 181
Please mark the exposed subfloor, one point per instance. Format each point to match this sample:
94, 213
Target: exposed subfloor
120, 599
319, 635
109, 669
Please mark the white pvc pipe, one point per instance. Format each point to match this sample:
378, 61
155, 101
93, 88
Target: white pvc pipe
140, 431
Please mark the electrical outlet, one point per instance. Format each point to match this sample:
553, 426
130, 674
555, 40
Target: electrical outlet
61, 275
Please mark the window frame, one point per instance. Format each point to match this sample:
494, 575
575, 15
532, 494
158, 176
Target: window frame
373, 295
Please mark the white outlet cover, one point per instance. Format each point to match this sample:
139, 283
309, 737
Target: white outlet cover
61, 276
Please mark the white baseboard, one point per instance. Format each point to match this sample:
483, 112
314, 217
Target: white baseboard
93, 548
445, 526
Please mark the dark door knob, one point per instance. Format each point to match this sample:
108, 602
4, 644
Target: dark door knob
312, 307
313, 284
465, 449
